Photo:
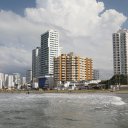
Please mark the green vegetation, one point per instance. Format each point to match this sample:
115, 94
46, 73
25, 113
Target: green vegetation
115, 80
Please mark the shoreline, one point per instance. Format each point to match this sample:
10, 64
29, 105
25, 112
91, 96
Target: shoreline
64, 91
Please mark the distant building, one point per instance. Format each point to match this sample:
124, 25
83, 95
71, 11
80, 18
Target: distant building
29, 76
60, 51
10, 82
120, 52
16, 79
23, 80
1, 80
6, 80
49, 49
68, 67
36, 63
96, 74
1, 84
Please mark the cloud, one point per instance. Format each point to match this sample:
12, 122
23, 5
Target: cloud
17, 38
85, 27
14, 59
79, 17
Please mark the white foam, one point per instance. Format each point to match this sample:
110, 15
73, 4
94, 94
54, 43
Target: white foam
117, 101
88, 98
101, 99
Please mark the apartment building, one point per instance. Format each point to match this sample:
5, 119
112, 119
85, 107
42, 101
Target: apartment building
49, 49
88, 69
36, 62
96, 74
120, 52
29, 76
68, 67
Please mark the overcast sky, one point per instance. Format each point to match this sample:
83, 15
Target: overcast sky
85, 27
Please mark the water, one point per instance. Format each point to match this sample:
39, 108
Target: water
63, 111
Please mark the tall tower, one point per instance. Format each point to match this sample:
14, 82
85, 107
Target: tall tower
36, 63
120, 52
49, 49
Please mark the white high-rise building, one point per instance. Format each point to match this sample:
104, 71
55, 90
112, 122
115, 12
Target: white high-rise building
1, 80
36, 62
23, 80
6, 80
29, 76
16, 79
49, 49
120, 52
10, 82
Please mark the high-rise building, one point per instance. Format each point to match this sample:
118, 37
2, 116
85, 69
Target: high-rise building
16, 79
1, 80
49, 49
36, 63
120, 52
6, 80
88, 69
10, 82
23, 80
68, 67
60, 51
29, 76
96, 74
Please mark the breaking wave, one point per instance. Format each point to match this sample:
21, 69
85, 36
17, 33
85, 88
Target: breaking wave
86, 98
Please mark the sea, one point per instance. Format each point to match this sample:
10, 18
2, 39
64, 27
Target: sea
71, 110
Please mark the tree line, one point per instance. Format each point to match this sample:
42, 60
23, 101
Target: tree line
116, 80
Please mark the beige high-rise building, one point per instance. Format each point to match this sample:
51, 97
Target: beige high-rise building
68, 67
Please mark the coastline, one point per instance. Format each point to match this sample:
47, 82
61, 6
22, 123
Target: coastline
63, 91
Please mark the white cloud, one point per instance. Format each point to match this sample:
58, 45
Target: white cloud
79, 17
85, 27
14, 59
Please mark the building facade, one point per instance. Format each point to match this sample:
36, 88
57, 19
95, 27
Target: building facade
49, 49
29, 76
96, 74
23, 81
68, 67
17, 79
36, 63
120, 52
1, 80
10, 82
13, 81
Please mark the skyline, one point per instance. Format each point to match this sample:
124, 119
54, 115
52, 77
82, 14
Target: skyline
21, 30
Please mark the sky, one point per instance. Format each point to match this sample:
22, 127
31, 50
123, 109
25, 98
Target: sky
85, 27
